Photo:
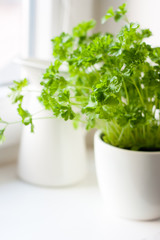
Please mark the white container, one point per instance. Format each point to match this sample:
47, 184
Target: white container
55, 154
129, 181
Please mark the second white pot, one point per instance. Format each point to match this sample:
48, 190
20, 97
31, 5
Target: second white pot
129, 181
52, 156
55, 155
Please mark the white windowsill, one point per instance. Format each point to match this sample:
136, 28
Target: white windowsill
74, 213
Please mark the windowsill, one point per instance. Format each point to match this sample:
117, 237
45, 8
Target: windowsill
74, 213
9, 154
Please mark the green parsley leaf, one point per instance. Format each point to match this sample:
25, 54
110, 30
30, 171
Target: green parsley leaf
81, 29
120, 12
109, 14
26, 117
16, 90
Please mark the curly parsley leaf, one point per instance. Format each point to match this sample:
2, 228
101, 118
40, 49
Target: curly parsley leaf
16, 90
117, 15
109, 14
26, 117
62, 46
120, 12
81, 29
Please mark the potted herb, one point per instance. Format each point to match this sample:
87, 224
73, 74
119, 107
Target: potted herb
113, 84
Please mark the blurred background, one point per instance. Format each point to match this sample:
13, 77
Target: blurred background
26, 28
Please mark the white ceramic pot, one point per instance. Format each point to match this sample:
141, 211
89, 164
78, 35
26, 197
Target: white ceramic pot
129, 181
55, 154
52, 156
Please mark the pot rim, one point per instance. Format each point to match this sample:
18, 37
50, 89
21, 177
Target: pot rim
99, 139
33, 62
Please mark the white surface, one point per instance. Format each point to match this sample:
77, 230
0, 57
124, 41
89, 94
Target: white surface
129, 180
33, 213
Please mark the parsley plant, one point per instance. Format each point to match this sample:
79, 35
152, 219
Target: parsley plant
113, 83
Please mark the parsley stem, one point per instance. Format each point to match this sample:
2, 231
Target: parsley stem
121, 134
29, 90
125, 89
11, 123
52, 117
144, 132
156, 102
80, 97
76, 104
5, 122
38, 112
140, 96
95, 70
81, 87
126, 19
39, 118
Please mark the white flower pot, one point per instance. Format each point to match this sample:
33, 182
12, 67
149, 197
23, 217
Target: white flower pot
52, 156
55, 154
129, 181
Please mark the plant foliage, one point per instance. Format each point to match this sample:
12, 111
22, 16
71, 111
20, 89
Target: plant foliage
113, 83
